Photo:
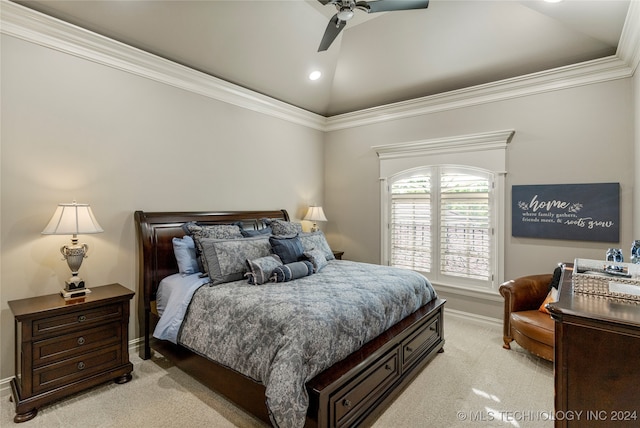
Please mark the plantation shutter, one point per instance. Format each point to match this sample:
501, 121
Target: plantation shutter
465, 227
411, 223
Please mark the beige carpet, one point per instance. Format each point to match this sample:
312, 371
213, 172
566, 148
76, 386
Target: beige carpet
474, 383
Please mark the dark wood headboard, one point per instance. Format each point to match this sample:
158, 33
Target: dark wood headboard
155, 231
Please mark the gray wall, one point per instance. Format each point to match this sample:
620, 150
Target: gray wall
579, 135
74, 129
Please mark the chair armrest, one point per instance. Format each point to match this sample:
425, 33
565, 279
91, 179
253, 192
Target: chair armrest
522, 294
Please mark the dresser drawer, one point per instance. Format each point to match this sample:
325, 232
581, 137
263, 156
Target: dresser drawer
358, 394
82, 318
58, 348
73, 369
420, 341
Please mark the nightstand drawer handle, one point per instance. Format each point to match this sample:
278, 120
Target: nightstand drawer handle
81, 365
81, 340
409, 349
82, 318
346, 403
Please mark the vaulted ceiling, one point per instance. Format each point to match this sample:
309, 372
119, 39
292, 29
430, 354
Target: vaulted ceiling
270, 46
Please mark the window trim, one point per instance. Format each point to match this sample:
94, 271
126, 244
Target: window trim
484, 151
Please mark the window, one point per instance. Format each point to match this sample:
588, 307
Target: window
441, 223
442, 209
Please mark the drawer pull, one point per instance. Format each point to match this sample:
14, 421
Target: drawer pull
346, 403
81, 340
409, 349
82, 318
388, 367
81, 365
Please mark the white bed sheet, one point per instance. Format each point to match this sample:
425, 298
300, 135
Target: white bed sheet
172, 300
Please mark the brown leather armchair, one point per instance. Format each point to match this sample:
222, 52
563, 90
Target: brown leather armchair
523, 321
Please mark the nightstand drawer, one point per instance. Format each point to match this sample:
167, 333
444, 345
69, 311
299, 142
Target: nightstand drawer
67, 371
84, 319
80, 342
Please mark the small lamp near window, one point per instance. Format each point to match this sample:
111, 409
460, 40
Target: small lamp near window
315, 214
73, 219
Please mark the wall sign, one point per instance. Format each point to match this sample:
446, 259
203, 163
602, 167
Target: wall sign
583, 212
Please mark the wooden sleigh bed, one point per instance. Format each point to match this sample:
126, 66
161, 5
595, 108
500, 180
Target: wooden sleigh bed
351, 392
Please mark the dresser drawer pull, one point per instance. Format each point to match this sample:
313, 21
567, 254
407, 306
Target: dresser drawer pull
388, 367
409, 349
81, 340
346, 403
81, 365
82, 318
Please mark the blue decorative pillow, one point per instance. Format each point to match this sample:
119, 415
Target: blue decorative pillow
317, 259
288, 248
247, 233
260, 269
292, 271
185, 252
316, 240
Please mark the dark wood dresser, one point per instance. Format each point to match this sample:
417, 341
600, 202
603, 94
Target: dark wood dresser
597, 359
64, 346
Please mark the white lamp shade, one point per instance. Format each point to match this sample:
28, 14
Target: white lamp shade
315, 214
72, 219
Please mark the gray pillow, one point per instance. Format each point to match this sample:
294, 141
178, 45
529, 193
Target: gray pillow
260, 269
316, 240
213, 231
281, 227
317, 259
226, 260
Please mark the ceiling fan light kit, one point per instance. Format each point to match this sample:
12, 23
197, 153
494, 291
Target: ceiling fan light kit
346, 11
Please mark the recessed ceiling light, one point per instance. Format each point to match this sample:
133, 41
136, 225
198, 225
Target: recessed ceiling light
315, 75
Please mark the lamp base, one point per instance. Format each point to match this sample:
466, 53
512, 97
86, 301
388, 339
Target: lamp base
70, 294
74, 283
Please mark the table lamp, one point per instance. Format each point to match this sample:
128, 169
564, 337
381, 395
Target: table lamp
315, 214
73, 219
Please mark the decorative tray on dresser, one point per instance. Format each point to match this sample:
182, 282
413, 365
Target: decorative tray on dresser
64, 346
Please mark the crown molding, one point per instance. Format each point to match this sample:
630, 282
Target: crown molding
29, 25
35, 27
619, 66
596, 71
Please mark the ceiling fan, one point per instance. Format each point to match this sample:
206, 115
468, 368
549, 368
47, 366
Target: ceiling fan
346, 11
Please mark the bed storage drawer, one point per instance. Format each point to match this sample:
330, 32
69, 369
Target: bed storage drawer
349, 402
420, 342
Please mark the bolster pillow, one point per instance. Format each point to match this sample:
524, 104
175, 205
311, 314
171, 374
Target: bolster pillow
292, 271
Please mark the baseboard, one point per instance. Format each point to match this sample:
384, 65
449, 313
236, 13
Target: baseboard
468, 316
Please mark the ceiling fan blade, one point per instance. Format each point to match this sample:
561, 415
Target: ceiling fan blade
391, 5
333, 29
326, 1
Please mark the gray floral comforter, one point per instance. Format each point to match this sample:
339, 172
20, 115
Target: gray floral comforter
283, 334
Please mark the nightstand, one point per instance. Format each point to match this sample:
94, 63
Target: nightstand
64, 346
338, 254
